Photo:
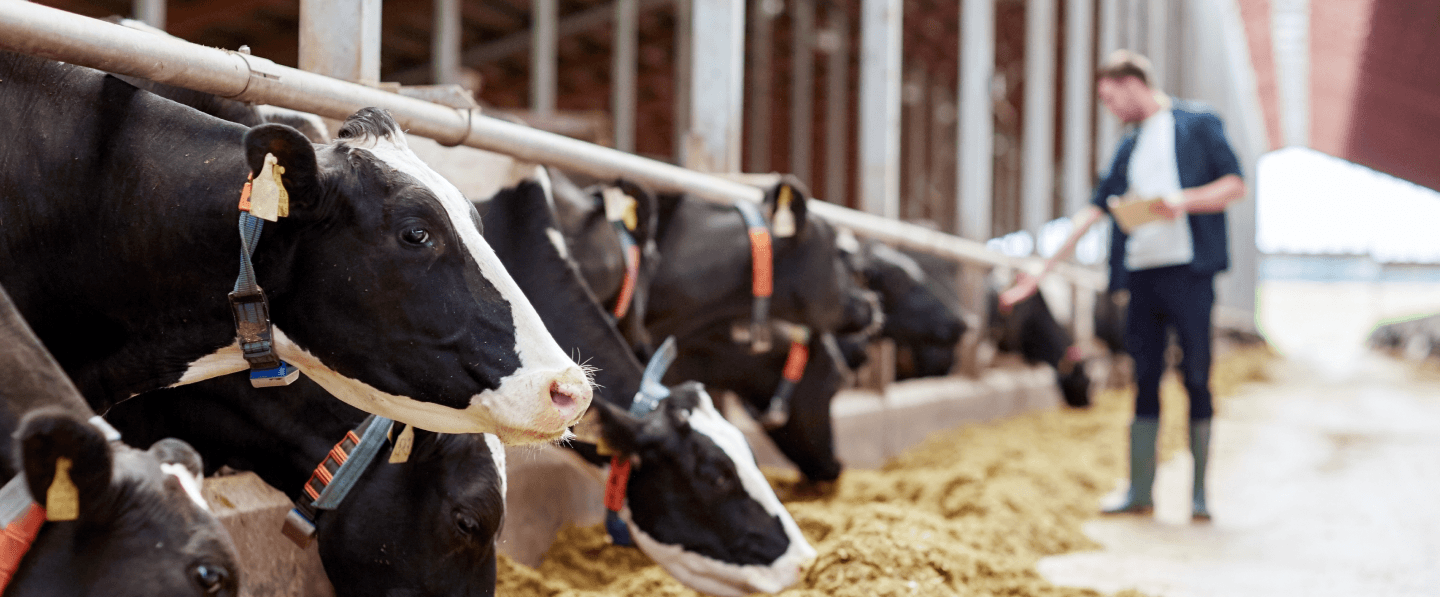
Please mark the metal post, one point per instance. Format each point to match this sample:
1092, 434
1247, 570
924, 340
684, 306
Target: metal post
341, 39
802, 87
622, 69
762, 76
1290, 30
684, 9
880, 39
1157, 44
1107, 128
150, 12
445, 43
1037, 175
1078, 79
975, 164
543, 61
837, 106
717, 85
917, 140
1135, 25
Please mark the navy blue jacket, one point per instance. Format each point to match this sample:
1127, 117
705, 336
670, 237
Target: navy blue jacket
1202, 155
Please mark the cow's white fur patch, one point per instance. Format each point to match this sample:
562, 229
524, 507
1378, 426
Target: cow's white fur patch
188, 480
722, 578
497, 453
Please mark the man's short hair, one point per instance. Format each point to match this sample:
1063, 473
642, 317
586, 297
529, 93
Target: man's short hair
1124, 63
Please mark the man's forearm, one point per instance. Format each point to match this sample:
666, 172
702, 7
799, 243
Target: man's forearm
1215, 196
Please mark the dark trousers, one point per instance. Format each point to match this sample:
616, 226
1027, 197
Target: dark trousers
1163, 298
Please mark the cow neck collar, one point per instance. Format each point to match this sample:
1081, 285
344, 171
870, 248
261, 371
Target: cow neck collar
250, 306
652, 392
778, 412
762, 277
22, 517
335, 476
630, 253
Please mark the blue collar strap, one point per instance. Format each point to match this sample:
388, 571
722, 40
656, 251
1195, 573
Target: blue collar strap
335, 476
762, 275
252, 310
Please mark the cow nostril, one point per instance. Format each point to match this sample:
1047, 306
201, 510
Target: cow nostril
562, 400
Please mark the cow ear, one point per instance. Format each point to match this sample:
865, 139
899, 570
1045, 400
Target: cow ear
49, 441
785, 204
618, 430
294, 152
646, 208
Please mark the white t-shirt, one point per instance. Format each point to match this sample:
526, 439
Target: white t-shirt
1153, 173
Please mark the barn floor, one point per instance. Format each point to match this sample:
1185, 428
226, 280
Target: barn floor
1324, 479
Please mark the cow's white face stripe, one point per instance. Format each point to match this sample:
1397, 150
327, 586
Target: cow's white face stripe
723, 578
497, 453
189, 481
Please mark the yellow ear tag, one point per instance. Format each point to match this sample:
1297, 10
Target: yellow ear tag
62, 499
401, 453
267, 195
631, 219
783, 224
602, 448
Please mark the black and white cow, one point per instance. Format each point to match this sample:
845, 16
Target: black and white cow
584, 216
121, 224
696, 501
424, 527
137, 524
1030, 330
924, 328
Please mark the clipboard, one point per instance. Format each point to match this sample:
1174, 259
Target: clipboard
1130, 214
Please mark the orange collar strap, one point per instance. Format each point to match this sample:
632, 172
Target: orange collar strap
762, 275
631, 253
15, 541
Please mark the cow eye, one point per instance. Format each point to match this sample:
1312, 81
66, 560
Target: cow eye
467, 525
210, 578
415, 235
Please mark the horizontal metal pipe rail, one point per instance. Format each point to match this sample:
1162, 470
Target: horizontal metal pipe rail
51, 33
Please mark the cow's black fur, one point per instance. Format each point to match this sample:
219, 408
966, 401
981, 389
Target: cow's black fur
924, 328
425, 527
120, 215
138, 532
1030, 330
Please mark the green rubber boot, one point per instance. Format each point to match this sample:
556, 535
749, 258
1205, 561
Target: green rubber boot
1139, 500
1200, 449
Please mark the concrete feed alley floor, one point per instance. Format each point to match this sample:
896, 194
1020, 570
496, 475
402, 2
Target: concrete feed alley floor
1324, 480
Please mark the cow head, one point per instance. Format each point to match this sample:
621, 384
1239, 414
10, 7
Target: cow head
435, 518
705, 273
698, 504
913, 312
387, 295
143, 528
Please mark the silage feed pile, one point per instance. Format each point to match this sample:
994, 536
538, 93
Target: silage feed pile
967, 512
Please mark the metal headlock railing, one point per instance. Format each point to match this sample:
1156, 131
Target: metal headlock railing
51, 33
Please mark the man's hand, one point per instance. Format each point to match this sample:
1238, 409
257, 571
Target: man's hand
1025, 286
1170, 207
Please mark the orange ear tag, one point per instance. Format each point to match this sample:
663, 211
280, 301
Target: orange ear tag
62, 499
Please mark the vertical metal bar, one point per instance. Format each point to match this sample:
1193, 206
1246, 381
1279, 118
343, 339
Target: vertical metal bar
762, 76
880, 38
1157, 42
150, 12
837, 106
975, 161
622, 69
942, 156
917, 140
1107, 128
717, 85
341, 39
684, 9
1290, 32
445, 43
543, 60
1079, 72
1134, 25
1037, 174
802, 87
